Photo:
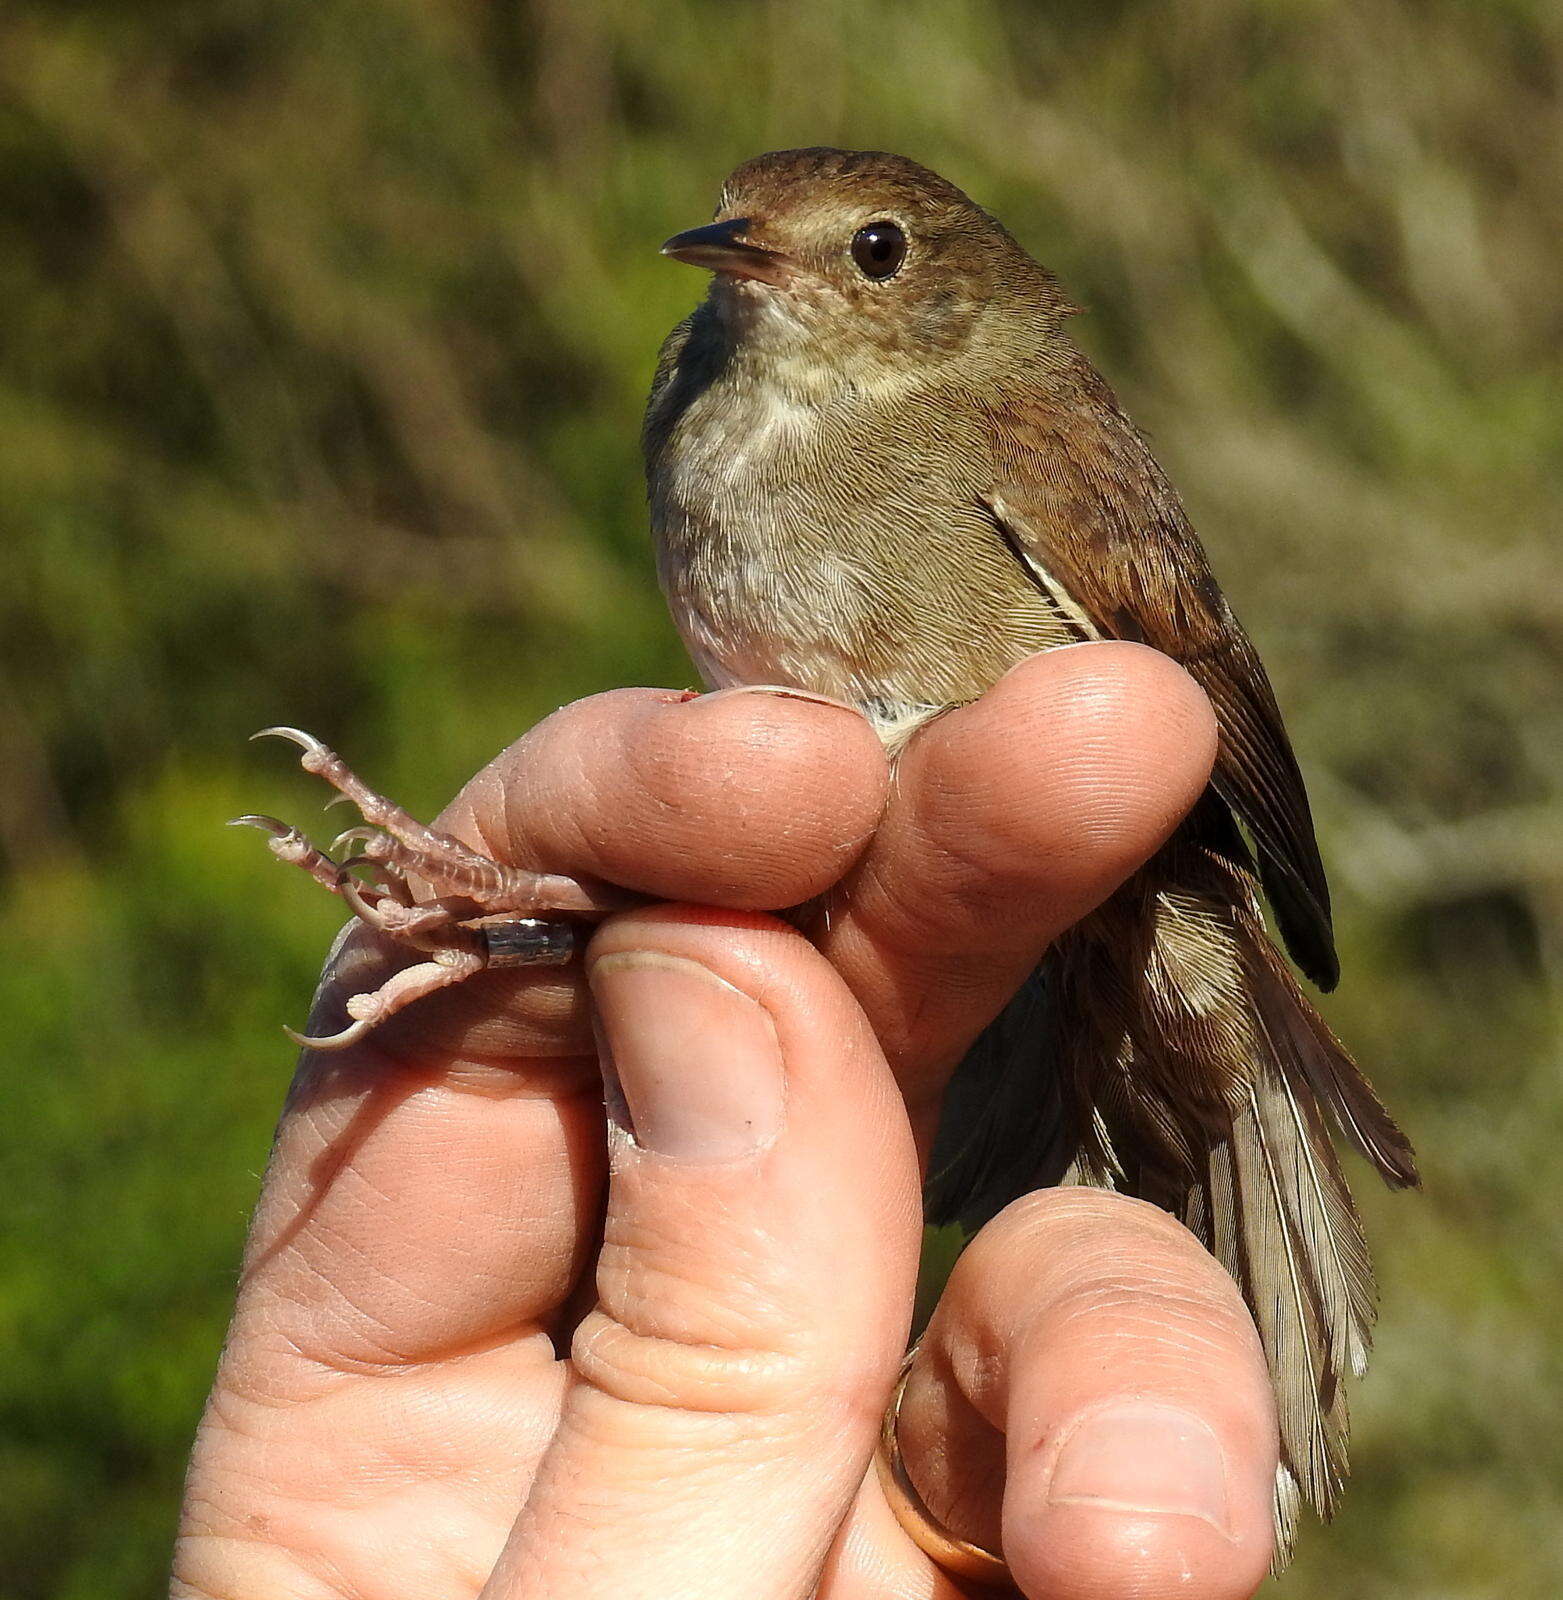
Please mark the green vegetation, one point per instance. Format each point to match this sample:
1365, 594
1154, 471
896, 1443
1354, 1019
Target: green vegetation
324, 327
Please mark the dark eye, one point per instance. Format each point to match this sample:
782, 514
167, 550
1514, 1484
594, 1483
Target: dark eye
879, 249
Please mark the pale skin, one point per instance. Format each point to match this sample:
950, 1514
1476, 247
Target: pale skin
446, 1376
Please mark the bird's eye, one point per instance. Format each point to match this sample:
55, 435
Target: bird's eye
879, 249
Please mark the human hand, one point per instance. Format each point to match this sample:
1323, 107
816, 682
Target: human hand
447, 1373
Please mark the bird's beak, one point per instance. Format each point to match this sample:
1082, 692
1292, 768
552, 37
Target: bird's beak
720, 248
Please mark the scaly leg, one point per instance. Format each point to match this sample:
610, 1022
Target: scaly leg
438, 857
469, 926
399, 990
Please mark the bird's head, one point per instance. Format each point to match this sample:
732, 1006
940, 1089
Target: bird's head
864, 266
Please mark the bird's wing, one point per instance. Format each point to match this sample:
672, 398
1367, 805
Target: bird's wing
1081, 503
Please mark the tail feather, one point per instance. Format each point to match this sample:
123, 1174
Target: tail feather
1277, 1223
1309, 1052
1178, 1059
1299, 1162
1004, 1128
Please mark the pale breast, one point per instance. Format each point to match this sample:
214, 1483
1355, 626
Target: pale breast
839, 549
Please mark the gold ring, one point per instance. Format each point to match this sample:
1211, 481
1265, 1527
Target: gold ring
956, 1555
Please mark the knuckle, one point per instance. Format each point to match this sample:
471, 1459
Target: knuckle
695, 1310
1077, 1224
1164, 1319
1093, 1258
660, 1372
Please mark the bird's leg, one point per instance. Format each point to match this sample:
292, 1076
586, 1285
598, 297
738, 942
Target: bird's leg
399, 990
386, 905
412, 847
289, 844
482, 914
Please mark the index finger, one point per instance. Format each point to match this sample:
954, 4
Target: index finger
1009, 819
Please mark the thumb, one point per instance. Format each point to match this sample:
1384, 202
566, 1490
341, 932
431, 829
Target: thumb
756, 1275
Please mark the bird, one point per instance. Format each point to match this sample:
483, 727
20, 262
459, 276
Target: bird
879, 469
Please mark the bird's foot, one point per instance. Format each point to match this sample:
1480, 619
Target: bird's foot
482, 913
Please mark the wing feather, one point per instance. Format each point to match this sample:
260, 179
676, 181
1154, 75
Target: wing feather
1079, 498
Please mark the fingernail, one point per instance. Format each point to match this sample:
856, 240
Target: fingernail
1147, 1458
691, 1064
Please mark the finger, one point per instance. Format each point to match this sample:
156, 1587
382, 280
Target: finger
755, 1279
1091, 1396
1009, 819
751, 799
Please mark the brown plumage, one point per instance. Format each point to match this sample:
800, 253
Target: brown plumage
880, 470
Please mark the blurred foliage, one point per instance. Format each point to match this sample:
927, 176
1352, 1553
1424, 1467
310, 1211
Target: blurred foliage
324, 327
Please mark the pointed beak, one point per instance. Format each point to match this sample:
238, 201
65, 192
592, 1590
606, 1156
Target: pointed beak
720, 248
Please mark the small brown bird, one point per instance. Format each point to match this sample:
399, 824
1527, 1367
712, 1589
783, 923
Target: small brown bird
880, 470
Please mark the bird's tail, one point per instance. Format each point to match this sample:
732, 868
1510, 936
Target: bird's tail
1272, 1205
1166, 1050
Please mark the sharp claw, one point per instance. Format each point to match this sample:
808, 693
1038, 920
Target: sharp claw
351, 836
288, 844
380, 885
332, 1041
336, 799
305, 741
277, 829
351, 892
